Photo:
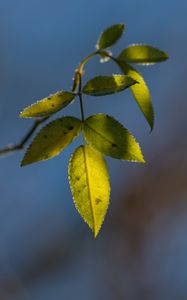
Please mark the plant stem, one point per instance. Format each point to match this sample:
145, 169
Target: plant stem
80, 98
81, 105
85, 60
77, 83
80, 70
108, 55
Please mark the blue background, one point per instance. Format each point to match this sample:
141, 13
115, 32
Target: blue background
46, 250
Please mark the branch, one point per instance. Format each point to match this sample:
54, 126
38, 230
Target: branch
16, 147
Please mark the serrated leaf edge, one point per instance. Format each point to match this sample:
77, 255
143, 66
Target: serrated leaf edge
28, 148
71, 187
43, 100
90, 143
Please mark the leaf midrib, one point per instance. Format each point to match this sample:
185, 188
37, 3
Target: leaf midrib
108, 140
111, 142
89, 191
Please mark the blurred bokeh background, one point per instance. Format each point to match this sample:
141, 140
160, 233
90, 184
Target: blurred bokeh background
46, 250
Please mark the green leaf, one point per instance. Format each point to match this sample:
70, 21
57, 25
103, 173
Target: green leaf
140, 92
105, 85
142, 54
110, 36
48, 106
109, 137
52, 139
90, 185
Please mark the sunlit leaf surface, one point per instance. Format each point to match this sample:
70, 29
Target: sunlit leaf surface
140, 92
142, 54
105, 85
48, 106
52, 139
109, 137
110, 36
90, 186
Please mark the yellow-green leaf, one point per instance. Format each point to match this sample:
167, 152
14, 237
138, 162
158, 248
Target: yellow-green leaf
52, 139
142, 54
105, 85
140, 92
110, 36
48, 106
109, 137
90, 185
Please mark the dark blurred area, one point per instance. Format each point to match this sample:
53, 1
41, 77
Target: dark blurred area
46, 250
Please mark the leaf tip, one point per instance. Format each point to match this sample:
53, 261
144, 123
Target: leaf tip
141, 158
22, 114
110, 36
151, 120
95, 233
165, 56
122, 26
151, 126
25, 114
23, 163
143, 161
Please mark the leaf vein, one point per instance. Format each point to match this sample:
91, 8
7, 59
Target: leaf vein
89, 191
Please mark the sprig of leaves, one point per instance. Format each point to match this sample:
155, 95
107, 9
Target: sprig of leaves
103, 135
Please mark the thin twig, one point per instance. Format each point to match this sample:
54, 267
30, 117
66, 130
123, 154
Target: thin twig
16, 147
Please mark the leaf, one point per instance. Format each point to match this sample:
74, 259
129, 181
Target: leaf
109, 137
48, 106
90, 185
105, 85
140, 92
142, 54
52, 139
110, 36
